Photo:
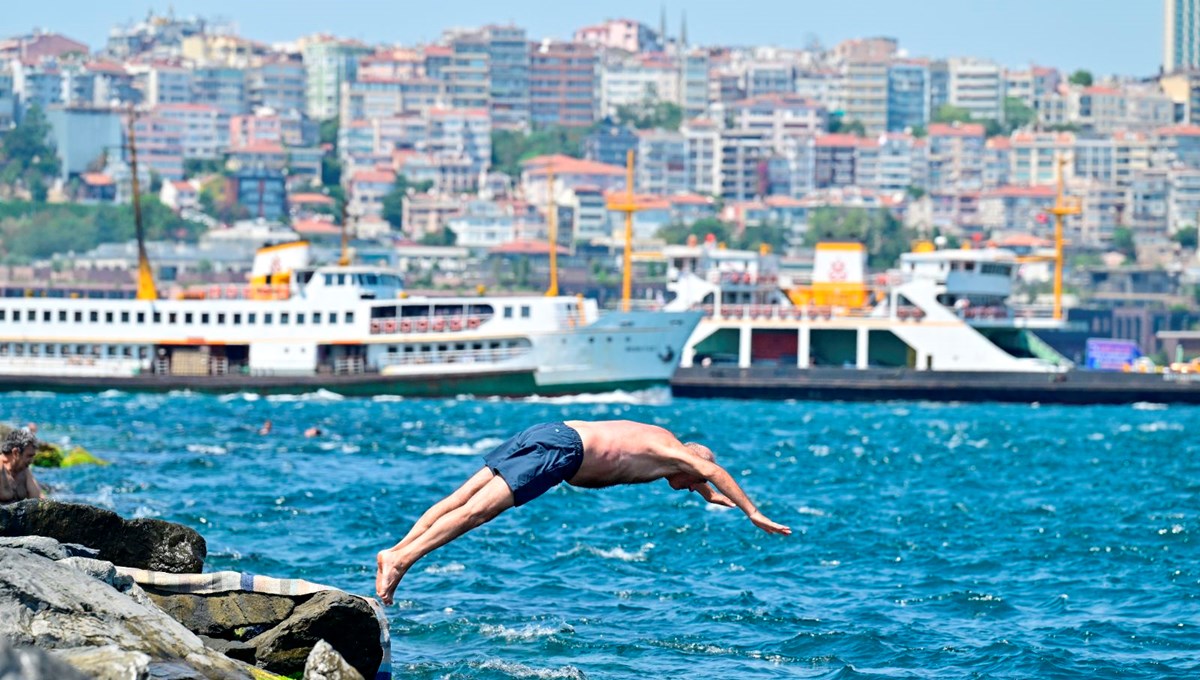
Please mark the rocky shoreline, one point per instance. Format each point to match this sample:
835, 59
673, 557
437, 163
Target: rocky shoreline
86, 593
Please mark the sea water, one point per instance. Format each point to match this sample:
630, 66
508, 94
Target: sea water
930, 540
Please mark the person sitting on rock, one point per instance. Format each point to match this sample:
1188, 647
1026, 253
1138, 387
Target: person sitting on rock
16, 479
582, 454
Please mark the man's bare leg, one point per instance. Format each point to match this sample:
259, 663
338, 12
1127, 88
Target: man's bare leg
494, 498
452, 502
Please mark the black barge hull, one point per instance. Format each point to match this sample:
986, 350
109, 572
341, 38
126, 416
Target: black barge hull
838, 384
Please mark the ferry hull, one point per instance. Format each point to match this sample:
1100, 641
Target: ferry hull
508, 385
838, 384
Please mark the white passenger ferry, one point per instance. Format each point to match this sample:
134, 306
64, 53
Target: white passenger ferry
349, 329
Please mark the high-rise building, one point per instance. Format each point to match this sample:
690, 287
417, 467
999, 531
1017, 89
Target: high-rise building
1181, 35
563, 78
907, 95
329, 62
508, 76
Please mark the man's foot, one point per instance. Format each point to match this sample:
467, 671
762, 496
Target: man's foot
390, 568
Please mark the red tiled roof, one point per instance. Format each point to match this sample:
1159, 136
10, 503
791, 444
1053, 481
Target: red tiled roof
96, 179
565, 165
838, 139
1179, 131
310, 198
1098, 89
316, 228
373, 177
1021, 241
690, 199
957, 130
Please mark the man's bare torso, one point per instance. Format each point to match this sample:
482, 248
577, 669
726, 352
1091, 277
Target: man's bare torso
13, 488
621, 452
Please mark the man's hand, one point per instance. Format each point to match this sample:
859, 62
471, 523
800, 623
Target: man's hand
760, 520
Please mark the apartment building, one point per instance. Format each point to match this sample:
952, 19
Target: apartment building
563, 82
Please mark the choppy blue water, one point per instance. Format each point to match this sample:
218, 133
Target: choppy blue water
930, 540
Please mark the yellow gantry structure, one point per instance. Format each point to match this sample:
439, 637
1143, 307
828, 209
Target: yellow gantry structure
629, 206
146, 289
1063, 206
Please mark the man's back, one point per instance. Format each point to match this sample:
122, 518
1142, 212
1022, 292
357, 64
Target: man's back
620, 452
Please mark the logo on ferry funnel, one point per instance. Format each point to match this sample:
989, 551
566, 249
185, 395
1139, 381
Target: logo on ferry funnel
667, 355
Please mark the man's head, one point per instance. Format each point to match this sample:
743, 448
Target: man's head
682, 480
19, 449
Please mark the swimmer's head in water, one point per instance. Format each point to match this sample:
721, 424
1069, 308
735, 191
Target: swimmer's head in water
681, 481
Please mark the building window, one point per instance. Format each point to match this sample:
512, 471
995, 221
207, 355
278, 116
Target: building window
237, 319
508, 312
156, 317
188, 318
204, 318
252, 318
349, 317
94, 317
284, 318
221, 318
316, 318
300, 318
141, 317
268, 318
108, 317
173, 318
524, 311
333, 318
62, 315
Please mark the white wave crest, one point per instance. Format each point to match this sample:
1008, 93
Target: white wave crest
481, 446
520, 670
210, 449
319, 395
385, 398
109, 394
450, 568
1148, 406
239, 396
526, 633
619, 553
815, 512
654, 396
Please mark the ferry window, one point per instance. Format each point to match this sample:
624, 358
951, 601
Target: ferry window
78, 317
188, 318
524, 311
35, 350
508, 312
252, 318
92, 316
156, 317
317, 318
143, 352
66, 350
221, 318
371, 280
173, 318
62, 315
3, 313
332, 318
341, 279
204, 318
329, 279
108, 317
18, 350
391, 349
268, 318
300, 318
141, 317
237, 319
349, 317
285, 318
124, 317
127, 351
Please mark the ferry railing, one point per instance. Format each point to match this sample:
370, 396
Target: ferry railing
455, 356
349, 366
787, 312
437, 323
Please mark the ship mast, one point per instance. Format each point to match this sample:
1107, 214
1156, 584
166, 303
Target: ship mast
344, 258
1063, 206
552, 223
629, 207
145, 280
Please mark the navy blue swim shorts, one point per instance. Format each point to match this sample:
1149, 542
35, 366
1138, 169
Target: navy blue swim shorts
537, 459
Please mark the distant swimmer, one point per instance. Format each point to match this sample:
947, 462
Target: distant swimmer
16, 479
265, 429
312, 432
585, 454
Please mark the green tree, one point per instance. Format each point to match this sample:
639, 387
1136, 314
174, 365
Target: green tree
920, 131
444, 237
948, 113
1082, 78
1186, 237
393, 201
853, 127
27, 155
651, 114
1123, 242
328, 132
1017, 114
331, 170
510, 148
884, 236
678, 233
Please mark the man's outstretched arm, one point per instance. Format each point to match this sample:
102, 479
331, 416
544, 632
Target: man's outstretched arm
688, 462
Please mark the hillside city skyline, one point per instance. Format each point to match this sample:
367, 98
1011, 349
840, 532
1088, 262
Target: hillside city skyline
1069, 35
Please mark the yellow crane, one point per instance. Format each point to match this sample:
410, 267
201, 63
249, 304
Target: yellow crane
146, 289
1063, 206
552, 224
629, 206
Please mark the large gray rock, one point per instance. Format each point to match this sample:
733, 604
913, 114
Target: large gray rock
47, 547
151, 544
31, 663
231, 616
324, 663
346, 622
57, 607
